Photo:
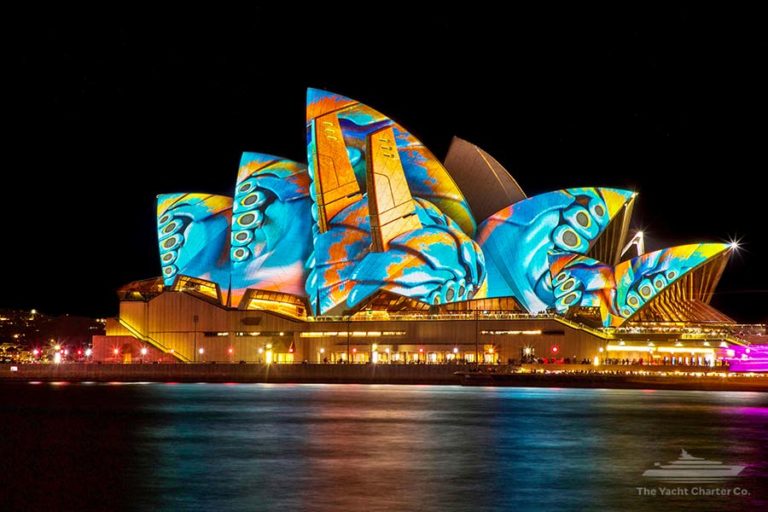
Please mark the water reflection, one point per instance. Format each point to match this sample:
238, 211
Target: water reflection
342, 447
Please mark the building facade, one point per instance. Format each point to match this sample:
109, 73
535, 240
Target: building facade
375, 251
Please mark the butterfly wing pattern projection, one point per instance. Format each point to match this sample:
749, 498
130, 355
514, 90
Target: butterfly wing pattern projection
271, 226
374, 212
379, 236
621, 291
426, 176
518, 239
193, 234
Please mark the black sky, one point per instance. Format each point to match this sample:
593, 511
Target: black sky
106, 111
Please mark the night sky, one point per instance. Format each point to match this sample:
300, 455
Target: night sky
103, 115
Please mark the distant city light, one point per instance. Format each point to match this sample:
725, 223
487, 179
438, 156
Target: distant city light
116, 351
35, 352
322, 351
34, 312
201, 350
143, 351
57, 357
231, 350
88, 352
57, 347
555, 349
455, 350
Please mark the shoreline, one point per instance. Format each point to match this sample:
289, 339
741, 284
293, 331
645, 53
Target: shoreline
578, 376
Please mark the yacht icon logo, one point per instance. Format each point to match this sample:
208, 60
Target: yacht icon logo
688, 469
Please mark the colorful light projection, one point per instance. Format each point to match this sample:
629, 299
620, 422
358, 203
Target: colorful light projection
193, 234
271, 226
375, 212
384, 239
426, 176
620, 291
517, 240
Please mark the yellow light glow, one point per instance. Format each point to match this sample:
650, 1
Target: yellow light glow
690, 350
269, 356
629, 348
500, 333
596, 361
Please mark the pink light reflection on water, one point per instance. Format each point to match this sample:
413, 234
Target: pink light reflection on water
749, 411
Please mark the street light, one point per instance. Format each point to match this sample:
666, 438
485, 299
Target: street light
143, 353
477, 341
195, 319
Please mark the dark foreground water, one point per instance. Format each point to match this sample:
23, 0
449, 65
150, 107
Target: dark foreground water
349, 448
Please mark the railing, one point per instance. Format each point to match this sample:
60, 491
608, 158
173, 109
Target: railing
136, 334
428, 316
586, 328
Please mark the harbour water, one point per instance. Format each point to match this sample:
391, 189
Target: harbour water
353, 447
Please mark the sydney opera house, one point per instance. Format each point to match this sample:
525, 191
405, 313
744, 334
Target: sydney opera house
376, 251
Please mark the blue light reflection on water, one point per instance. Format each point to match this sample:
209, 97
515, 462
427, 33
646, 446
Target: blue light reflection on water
347, 447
